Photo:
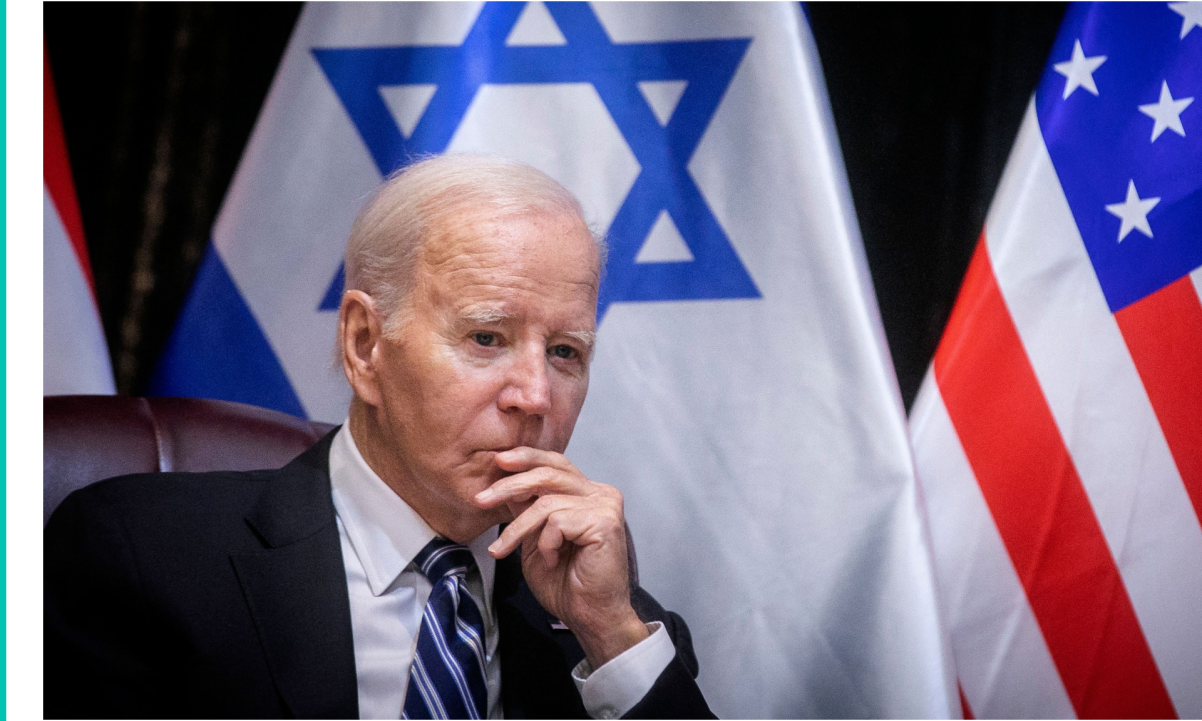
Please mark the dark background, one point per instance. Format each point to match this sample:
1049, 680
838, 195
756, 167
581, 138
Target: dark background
158, 101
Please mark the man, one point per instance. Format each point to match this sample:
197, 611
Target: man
375, 575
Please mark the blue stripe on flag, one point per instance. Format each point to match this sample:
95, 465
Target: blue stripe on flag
219, 351
333, 297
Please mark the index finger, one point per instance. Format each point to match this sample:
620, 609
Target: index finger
540, 481
523, 458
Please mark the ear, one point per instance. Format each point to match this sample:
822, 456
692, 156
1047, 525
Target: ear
359, 335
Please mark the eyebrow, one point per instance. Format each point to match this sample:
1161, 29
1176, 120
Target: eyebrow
484, 315
586, 337
487, 315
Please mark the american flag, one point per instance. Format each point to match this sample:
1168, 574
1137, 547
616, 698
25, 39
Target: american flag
1058, 434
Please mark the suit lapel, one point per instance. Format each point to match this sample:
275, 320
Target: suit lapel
536, 661
296, 590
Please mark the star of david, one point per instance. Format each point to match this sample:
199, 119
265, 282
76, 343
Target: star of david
614, 69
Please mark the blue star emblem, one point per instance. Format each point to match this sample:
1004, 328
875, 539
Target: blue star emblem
614, 69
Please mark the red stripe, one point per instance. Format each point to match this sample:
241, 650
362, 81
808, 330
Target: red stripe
1164, 334
965, 709
1041, 509
56, 171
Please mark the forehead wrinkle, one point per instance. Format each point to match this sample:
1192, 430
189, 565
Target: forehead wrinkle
445, 249
463, 269
471, 286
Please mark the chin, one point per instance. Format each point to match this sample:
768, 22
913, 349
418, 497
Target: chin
478, 520
467, 486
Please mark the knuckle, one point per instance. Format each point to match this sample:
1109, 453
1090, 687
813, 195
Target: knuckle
614, 503
608, 492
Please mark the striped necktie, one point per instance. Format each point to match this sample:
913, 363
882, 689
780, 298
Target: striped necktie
447, 676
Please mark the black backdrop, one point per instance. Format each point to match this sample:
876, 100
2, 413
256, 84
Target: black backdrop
158, 101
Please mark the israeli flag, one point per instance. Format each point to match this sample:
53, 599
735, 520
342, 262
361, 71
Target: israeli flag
742, 396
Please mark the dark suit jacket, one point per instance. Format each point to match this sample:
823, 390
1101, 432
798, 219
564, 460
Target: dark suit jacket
224, 595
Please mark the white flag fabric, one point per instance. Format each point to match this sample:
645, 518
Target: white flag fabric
741, 396
1058, 435
75, 357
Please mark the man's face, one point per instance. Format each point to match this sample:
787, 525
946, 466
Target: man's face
493, 352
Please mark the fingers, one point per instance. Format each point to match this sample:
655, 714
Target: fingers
550, 497
526, 486
529, 521
558, 520
523, 458
552, 539
575, 526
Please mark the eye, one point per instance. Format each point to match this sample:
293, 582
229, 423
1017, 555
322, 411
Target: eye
485, 339
563, 351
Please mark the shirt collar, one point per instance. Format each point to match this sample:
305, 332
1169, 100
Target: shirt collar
385, 532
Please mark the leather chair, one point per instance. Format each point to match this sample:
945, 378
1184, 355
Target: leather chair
89, 438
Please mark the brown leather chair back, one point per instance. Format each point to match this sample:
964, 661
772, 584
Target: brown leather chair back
89, 438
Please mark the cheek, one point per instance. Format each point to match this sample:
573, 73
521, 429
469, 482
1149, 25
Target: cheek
460, 396
428, 393
569, 394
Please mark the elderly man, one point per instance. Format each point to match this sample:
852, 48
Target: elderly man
373, 575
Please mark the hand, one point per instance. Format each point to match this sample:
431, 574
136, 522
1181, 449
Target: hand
573, 537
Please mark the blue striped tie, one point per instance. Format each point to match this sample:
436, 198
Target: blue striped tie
447, 677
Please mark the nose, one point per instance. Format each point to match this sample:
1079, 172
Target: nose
527, 388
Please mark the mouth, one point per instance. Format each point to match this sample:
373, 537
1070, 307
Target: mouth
483, 459
500, 449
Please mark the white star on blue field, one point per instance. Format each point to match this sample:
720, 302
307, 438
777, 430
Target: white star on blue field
1128, 148
615, 69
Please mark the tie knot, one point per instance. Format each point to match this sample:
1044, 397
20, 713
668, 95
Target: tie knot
441, 558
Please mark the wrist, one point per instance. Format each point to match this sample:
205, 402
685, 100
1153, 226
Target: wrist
612, 640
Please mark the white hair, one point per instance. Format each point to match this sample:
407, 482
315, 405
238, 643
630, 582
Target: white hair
388, 233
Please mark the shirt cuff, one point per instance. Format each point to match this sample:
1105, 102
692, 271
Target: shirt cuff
615, 688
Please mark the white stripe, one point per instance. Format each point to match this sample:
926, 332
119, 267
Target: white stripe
1196, 277
426, 688
469, 636
435, 556
1004, 665
75, 357
444, 650
449, 662
1101, 409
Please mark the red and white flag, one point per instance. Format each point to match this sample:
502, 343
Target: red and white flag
75, 357
1058, 434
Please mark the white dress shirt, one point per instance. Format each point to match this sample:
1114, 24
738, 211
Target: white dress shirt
380, 536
